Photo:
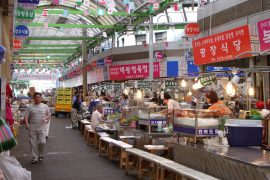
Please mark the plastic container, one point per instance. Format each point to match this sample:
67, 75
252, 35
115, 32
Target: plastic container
244, 132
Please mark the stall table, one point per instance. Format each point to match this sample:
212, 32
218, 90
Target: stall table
239, 163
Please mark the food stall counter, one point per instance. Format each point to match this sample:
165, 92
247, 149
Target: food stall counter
222, 162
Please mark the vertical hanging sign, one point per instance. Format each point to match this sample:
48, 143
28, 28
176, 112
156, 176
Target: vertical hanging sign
21, 31
25, 16
264, 34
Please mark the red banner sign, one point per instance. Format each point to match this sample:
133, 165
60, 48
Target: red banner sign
264, 34
133, 71
222, 46
192, 29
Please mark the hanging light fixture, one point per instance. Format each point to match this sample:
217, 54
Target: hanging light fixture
183, 83
197, 85
139, 94
251, 91
230, 89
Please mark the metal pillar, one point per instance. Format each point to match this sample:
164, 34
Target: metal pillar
151, 48
84, 60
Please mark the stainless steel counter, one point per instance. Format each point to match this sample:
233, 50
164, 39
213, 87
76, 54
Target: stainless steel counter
222, 162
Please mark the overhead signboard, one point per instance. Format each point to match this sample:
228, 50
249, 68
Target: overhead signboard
17, 44
108, 60
133, 71
34, 76
264, 34
100, 62
144, 84
193, 70
207, 79
21, 31
226, 71
24, 15
192, 29
28, 4
223, 46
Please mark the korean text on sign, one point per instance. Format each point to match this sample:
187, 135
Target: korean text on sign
222, 46
132, 71
264, 34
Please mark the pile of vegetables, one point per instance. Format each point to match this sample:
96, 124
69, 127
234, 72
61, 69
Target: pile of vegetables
255, 114
128, 120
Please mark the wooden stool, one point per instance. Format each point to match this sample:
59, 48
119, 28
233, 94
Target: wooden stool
83, 123
90, 137
85, 133
103, 147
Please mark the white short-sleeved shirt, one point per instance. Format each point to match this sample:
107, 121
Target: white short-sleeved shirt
36, 115
96, 119
172, 104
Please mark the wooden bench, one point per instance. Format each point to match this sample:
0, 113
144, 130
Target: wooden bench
158, 165
86, 128
89, 135
83, 123
154, 148
126, 138
123, 155
111, 147
104, 145
97, 136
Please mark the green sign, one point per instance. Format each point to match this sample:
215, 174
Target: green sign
144, 84
108, 86
117, 85
129, 84
170, 83
23, 14
208, 79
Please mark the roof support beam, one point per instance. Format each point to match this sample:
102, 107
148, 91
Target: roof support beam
47, 51
51, 45
59, 38
74, 25
93, 13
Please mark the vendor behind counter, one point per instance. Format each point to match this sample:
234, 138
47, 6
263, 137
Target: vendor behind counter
218, 106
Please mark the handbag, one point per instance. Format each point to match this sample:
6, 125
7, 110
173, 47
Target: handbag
7, 140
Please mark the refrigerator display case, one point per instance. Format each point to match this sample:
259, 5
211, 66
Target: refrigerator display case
150, 117
187, 122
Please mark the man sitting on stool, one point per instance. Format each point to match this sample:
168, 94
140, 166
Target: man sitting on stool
96, 119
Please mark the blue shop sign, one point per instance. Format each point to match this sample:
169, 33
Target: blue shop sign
223, 74
29, 1
21, 31
100, 62
193, 70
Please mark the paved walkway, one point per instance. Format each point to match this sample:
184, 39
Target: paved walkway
67, 157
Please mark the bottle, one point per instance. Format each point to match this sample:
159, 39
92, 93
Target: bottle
247, 115
170, 128
159, 126
241, 114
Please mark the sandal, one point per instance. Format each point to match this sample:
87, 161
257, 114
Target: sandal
40, 159
34, 161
